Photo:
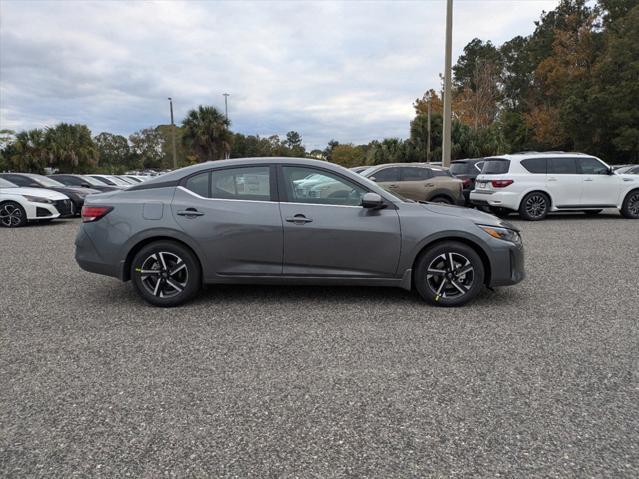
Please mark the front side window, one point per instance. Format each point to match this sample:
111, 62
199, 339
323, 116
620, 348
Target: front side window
412, 173
562, 166
308, 185
19, 180
591, 166
385, 175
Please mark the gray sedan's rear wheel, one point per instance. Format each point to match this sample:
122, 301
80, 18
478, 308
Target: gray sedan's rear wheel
166, 273
12, 215
449, 274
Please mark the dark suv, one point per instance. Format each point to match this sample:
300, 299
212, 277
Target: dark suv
467, 171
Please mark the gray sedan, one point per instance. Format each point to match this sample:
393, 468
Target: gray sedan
295, 221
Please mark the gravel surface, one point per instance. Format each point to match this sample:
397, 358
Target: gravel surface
535, 380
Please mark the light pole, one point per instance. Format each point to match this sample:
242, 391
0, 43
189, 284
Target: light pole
226, 114
173, 134
446, 140
428, 143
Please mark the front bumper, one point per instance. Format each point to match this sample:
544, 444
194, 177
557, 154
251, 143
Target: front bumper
507, 264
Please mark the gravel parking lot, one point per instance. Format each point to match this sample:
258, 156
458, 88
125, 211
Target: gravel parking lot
539, 379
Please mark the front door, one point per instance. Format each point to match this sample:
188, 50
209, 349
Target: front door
598, 187
328, 233
230, 213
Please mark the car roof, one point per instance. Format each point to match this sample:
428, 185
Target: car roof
536, 154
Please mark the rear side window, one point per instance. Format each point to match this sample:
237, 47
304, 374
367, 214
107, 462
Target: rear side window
386, 174
440, 173
591, 166
495, 167
535, 165
562, 166
250, 183
459, 168
199, 184
415, 174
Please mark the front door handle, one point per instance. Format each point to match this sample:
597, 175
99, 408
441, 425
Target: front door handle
587, 179
393, 186
190, 213
552, 179
299, 219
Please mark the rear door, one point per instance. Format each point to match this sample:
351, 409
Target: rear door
234, 216
598, 187
415, 183
563, 182
328, 233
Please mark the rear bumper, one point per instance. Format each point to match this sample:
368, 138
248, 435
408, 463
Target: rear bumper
497, 199
88, 258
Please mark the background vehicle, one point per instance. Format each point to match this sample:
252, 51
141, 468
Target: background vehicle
111, 180
83, 181
19, 205
418, 182
467, 171
248, 221
359, 169
76, 194
535, 184
628, 170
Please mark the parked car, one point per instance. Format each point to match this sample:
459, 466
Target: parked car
418, 182
20, 205
75, 194
628, 170
83, 181
467, 171
111, 180
246, 221
535, 184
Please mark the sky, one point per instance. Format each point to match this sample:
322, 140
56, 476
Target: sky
348, 71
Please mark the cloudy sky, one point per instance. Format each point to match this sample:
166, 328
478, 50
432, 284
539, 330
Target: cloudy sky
343, 70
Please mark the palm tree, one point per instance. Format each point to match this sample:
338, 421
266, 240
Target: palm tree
71, 148
206, 133
28, 152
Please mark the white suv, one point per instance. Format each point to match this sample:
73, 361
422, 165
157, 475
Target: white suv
535, 184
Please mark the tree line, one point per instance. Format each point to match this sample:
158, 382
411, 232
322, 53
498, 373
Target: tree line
573, 84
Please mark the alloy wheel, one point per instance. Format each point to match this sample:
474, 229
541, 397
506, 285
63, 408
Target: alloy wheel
10, 215
633, 204
536, 206
163, 274
450, 275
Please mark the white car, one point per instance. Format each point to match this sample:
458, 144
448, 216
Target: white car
19, 205
535, 184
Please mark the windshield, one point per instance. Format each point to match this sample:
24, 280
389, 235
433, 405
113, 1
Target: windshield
45, 181
91, 180
6, 184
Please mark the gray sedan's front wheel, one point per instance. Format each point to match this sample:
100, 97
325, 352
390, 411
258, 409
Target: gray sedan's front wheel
449, 274
166, 273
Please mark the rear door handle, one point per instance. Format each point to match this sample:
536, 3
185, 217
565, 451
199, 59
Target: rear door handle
299, 219
190, 213
587, 179
552, 179
393, 186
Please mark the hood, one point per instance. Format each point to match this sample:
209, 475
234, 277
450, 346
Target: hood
78, 190
41, 192
473, 215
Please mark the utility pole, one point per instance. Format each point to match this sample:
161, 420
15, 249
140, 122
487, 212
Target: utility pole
173, 134
226, 114
428, 142
446, 140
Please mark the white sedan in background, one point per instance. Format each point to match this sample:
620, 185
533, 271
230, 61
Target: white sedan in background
19, 205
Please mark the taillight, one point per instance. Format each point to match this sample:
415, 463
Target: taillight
467, 182
94, 213
501, 183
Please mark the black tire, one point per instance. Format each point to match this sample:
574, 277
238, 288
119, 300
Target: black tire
592, 212
630, 206
12, 215
534, 206
500, 212
441, 285
441, 199
158, 260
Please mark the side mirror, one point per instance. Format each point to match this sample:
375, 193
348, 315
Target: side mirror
373, 201
85, 185
372, 178
611, 170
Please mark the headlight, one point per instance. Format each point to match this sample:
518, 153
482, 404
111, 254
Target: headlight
502, 233
37, 199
